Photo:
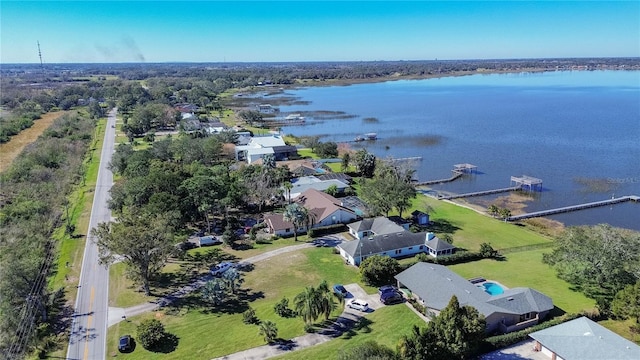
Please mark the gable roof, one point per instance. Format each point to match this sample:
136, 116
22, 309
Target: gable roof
321, 204
379, 225
422, 278
583, 339
383, 243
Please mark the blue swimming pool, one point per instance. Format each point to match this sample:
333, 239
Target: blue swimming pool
492, 288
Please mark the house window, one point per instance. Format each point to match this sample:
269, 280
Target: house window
287, 230
411, 248
421, 247
398, 251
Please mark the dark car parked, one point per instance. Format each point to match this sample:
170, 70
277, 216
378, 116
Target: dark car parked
125, 344
389, 298
387, 289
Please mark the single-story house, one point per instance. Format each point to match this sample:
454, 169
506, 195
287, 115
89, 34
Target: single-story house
420, 218
396, 245
433, 286
374, 226
583, 339
259, 146
325, 209
304, 183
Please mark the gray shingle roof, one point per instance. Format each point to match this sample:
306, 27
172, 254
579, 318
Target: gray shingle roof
583, 339
438, 245
436, 284
379, 225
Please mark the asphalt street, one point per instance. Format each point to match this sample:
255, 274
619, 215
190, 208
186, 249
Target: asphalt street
89, 326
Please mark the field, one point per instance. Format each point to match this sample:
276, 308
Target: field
18, 142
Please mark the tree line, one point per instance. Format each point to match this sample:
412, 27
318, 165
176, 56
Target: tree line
32, 196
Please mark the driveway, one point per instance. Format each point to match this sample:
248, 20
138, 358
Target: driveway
355, 291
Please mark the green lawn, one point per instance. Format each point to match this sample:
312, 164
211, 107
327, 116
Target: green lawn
525, 269
621, 327
270, 280
387, 326
470, 229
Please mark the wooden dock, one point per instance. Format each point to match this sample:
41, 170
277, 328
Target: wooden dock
574, 207
458, 171
480, 193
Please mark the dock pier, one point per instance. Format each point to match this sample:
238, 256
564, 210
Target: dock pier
480, 193
458, 171
565, 209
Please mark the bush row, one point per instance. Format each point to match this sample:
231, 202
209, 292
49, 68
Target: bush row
326, 230
501, 341
13, 125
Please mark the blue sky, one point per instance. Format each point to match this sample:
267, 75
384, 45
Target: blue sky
216, 31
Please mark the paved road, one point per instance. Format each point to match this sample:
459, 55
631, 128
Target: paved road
89, 327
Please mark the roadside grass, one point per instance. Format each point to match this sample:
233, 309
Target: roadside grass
122, 291
385, 326
525, 269
470, 229
196, 325
70, 249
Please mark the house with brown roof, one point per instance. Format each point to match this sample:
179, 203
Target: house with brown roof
325, 209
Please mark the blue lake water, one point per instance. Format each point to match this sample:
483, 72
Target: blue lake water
577, 131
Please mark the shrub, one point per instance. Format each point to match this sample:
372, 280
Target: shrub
378, 270
283, 310
150, 333
249, 317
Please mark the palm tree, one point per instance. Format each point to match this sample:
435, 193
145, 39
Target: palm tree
269, 330
287, 188
326, 302
299, 216
307, 304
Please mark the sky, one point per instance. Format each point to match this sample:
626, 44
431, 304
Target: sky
268, 31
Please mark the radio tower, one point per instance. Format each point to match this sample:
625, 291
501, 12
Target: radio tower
40, 56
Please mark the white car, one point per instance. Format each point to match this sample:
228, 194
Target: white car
220, 268
358, 305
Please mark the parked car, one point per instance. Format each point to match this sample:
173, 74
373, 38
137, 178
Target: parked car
386, 289
340, 290
358, 305
125, 343
391, 297
185, 245
208, 240
220, 268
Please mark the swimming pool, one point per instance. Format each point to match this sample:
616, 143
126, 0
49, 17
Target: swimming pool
492, 288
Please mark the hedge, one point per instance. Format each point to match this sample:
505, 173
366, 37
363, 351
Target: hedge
501, 341
325, 230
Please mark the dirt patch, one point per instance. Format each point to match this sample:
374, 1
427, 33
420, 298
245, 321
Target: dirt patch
10, 150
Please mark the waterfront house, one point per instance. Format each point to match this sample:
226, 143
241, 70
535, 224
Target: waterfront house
305, 183
583, 339
514, 309
259, 146
325, 209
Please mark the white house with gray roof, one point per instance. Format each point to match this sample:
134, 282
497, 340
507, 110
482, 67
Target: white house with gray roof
434, 285
583, 339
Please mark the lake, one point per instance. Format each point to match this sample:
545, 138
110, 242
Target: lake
578, 131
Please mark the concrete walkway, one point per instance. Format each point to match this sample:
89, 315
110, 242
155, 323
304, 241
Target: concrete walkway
116, 315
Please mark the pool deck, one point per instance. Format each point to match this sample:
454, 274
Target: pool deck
480, 284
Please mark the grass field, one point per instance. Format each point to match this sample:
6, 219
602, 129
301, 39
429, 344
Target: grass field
281, 276
386, 326
470, 229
